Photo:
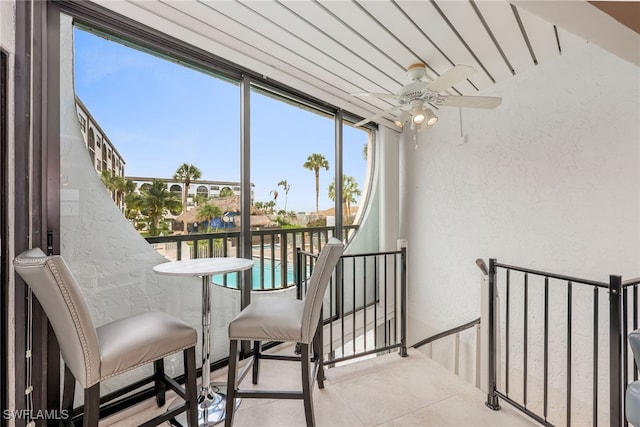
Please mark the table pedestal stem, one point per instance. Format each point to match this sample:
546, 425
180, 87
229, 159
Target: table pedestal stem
211, 402
211, 405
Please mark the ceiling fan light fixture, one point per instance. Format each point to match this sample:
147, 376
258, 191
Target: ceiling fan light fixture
430, 117
402, 119
418, 114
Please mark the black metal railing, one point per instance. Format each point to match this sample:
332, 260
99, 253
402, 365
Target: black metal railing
455, 332
365, 307
568, 307
273, 251
444, 334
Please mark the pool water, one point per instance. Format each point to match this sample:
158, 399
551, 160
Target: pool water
232, 278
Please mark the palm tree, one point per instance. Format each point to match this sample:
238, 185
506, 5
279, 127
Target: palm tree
208, 212
286, 187
274, 194
314, 162
131, 200
132, 207
185, 174
200, 199
116, 184
155, 202
350, 191
226, 192
270, 206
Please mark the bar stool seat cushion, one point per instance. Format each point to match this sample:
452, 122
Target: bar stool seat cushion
139, 339
269, 319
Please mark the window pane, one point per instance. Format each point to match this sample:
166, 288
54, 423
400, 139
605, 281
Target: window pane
158, 115
152, 115
285, 137
357, 159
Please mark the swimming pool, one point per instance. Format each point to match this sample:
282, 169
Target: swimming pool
218, 279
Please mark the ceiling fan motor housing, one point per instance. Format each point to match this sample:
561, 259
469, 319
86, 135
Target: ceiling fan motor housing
416, 71
417, 91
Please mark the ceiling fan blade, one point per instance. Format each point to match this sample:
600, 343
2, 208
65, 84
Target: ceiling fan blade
451, 77
377, 95
377, 116
472, 101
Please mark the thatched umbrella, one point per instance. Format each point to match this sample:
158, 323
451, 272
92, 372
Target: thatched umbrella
226, 204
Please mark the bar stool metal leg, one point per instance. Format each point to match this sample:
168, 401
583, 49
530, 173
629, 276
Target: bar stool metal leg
232, 382
306, 386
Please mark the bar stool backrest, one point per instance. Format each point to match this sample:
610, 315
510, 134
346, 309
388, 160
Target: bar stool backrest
59, 295
323, 269
634, 342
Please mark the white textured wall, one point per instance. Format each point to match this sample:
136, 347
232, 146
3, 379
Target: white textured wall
549, 180
7, 29
379, 227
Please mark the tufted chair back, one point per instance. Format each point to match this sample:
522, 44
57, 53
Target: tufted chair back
59, 295
318, 282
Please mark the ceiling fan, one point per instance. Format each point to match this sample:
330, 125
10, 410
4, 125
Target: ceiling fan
414, 97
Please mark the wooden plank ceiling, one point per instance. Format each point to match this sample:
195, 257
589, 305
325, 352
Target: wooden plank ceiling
330, 49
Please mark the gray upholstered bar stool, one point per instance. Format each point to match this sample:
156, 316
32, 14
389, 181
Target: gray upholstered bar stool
284, 319
92, 355
632, 396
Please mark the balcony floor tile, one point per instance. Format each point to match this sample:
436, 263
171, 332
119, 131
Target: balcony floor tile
382, 391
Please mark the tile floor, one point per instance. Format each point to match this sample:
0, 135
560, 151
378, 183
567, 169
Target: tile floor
382, 391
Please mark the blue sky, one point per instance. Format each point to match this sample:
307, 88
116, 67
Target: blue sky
160, 114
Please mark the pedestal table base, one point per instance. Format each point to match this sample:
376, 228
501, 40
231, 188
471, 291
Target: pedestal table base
211, 408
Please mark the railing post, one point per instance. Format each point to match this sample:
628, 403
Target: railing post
492, 397
478, 352
298, 274
403, 302
284, 262
615, 354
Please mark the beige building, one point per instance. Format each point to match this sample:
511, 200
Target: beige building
104, 155
202, 187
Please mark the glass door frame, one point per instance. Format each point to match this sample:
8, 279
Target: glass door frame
34, 207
